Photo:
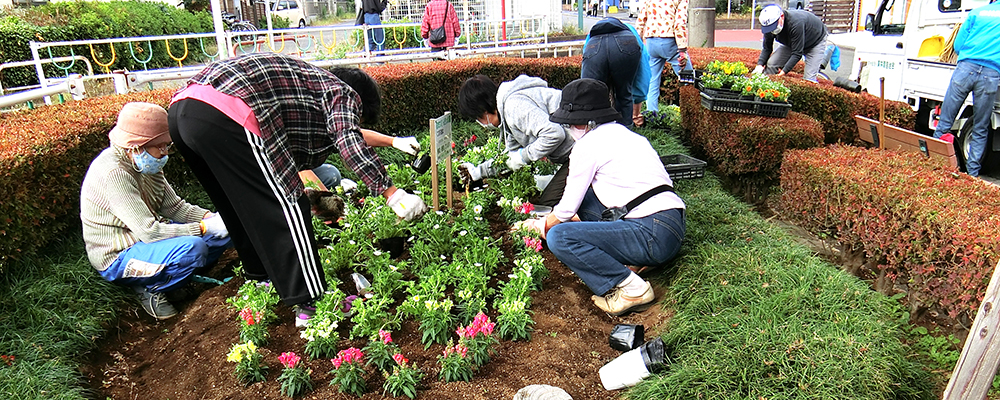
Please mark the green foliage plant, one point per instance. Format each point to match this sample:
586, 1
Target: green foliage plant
258, 297
252, 327
348, 372
295, 379
372, 315
380, 350
478, 339
250, 365
436, 322
322, 334
404, 378
455, 365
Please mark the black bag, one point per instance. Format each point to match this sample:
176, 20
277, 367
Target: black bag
438, 35
617, 213
361, 18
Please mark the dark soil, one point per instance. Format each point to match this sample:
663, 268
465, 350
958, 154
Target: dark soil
185, 357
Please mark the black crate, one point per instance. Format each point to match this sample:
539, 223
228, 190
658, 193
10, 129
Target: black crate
691, 76
681, 166
744, 105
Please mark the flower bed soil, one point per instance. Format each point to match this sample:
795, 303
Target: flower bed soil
185, 357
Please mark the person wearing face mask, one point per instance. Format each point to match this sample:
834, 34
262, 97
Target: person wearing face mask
799, 34
138, 232
610, 167
520, 109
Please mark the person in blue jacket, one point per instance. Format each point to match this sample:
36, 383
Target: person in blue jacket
978, 71
614, 54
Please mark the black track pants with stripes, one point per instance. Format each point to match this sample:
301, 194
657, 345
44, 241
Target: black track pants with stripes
273, 235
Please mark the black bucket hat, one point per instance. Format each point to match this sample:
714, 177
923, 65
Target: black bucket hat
585, 100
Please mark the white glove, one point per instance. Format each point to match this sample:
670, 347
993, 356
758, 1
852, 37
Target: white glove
473, 171
758, 70
407, 206
213, 226
348, 185
514, 159
408, 145
535, 224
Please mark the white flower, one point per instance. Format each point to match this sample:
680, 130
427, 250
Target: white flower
351, 242
440, 212
377, 253
463, 233
477, 209
437, 226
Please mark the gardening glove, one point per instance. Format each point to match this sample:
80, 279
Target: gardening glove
407, 206
534, 224
470, 171
515, 159
348, 185
213, 226
408, 145
758, 70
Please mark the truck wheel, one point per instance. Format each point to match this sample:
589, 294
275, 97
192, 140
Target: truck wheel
989, 164
302, 23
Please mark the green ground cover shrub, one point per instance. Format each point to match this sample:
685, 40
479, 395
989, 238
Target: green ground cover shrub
921, 225
81, 20
756, 315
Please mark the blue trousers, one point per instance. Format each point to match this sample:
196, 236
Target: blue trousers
614, 58
982, 82
376, 36
164, 265
329, 175
661, 51
597, 251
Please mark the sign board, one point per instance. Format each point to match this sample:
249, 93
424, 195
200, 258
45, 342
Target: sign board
442, 136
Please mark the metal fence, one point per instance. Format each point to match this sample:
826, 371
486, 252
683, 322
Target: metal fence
324, 46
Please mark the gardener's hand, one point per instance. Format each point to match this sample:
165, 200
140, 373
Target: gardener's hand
408, 145
348, 185
758, 70
780, 73
515, 159
682, 57
470, 172
407, 206
533, 224
213, 226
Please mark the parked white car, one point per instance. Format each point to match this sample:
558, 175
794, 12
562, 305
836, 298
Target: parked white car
290, 10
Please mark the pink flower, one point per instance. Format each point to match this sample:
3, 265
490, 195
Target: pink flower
385, 336
527, 208
461, 331
461, 349
336, 362
487, 328
400, 359
250, 317
289, 359
349, 356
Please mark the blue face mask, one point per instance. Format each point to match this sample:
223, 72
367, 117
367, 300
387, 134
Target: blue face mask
147, 164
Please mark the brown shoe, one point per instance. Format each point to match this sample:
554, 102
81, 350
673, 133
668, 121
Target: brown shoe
617, 302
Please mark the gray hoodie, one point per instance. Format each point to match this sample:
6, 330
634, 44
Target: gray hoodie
524, 105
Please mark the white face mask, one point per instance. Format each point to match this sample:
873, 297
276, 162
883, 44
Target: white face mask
777, 30
487, 125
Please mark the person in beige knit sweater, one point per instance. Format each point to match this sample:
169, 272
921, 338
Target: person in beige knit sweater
137, 231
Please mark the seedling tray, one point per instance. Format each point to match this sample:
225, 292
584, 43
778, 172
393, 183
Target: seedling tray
681, 166
735, 103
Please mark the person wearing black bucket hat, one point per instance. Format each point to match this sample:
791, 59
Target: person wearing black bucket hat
611, 167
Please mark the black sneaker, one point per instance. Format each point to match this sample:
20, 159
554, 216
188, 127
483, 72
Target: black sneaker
303, 313
155, 304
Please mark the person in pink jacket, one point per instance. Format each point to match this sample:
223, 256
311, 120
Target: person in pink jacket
438, 13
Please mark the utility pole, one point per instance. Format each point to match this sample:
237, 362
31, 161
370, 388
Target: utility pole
701, 23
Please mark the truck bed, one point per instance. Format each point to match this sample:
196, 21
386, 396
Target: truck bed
927, 79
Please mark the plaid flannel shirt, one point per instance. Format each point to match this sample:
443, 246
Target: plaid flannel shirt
305, 113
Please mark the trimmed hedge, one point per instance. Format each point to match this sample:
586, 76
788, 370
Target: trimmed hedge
919, 223
80, 20
414, 93
44, 154
738, 144
833, 107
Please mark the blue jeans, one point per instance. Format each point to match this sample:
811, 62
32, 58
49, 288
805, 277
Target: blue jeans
598, 251
329, 175
613, 58
661, 51
376, 36
982, 82
166, 264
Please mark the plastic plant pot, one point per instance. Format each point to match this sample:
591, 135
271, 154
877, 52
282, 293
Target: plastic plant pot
421, 164
625, 337
393, 245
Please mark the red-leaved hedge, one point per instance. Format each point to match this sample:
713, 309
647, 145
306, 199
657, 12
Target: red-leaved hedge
737, 144
919, 223
833, 107
414, 93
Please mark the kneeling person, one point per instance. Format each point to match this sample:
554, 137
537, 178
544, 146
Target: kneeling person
610, 166
137, 231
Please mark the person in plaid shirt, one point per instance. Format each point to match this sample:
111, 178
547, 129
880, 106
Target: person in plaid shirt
246, 126
663, 26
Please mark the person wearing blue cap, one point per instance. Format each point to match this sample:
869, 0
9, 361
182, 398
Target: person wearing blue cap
799, 34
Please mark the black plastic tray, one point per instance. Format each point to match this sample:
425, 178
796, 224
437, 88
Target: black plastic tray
744, 105
681, 166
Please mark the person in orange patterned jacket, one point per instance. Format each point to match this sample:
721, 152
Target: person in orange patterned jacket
663, 27
436, 13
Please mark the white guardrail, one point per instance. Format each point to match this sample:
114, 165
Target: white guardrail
323, 46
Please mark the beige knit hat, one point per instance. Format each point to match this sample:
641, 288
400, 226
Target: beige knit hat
140, 124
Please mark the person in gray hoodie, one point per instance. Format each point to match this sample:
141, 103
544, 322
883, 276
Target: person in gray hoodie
520, 109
